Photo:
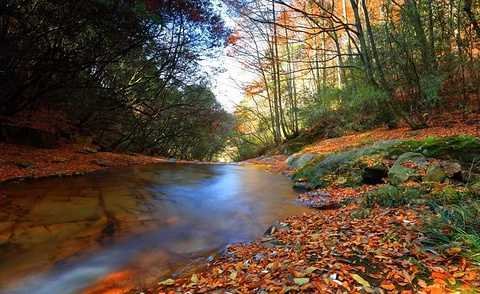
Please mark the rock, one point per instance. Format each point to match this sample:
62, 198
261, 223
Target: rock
407, 167
452, 169
29, 136
301, 185
317, 199
435, 173
298, 160
399, 174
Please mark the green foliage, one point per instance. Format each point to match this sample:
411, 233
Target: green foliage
453, 220
345, 110
430, 86
125, 71
431, 194
393, 196
455, 225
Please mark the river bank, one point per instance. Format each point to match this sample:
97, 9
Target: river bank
20, 162
340, 249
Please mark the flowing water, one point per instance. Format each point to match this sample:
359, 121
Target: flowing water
130, 224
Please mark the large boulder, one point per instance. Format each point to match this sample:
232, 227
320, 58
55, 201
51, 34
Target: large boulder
407, 167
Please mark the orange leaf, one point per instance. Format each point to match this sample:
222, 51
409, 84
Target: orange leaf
375, 275
464, 287
436, 290
453, 250
440, 282
387, 285
439, 275
318, 285
464, 264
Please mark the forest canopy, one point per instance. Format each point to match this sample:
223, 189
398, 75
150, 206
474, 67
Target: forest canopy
129, 72
126, 71
334, 67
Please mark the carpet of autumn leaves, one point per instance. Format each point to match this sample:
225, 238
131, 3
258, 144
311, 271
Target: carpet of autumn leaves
335, 251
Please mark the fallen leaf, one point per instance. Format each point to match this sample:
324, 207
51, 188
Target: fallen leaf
360, 280
311, 269
233, 275
301, 281
464, 287
422, 283
387, 285
194, 278
167, 282
440, 282
453, 250
439, 275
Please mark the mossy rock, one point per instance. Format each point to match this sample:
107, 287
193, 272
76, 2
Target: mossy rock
347, 168
298, 160
407, 167
435, 173
316, 171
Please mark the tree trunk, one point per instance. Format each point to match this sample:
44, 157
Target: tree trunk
468, 10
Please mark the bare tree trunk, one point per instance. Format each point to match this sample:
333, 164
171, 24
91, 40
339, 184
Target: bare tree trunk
363, 44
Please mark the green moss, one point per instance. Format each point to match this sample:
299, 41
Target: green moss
462, 147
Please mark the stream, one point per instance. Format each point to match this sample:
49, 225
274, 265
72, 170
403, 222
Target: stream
126, 227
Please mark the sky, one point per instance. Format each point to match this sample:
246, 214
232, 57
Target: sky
226, 85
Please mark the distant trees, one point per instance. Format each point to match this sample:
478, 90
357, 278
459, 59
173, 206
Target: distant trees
126, 70
354, 64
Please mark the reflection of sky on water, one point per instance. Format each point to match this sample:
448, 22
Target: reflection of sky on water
173, 211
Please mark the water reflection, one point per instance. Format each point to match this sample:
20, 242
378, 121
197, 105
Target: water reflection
63, 235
